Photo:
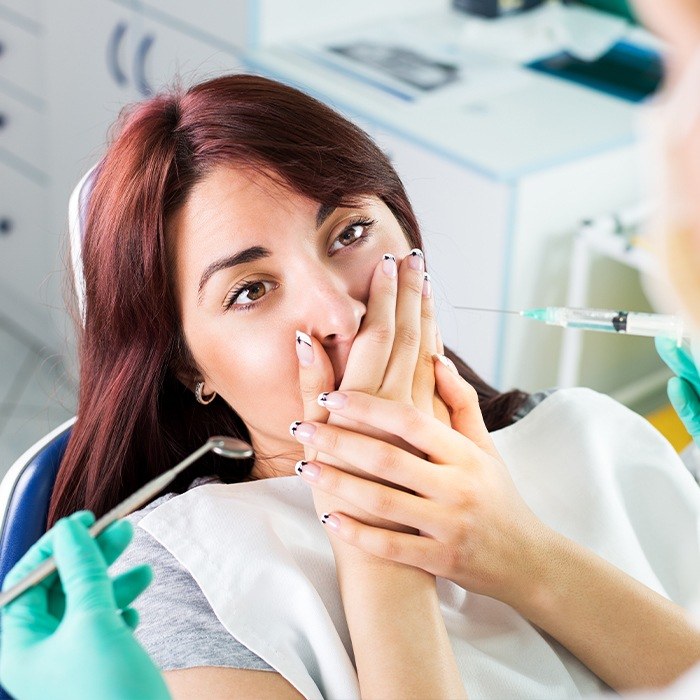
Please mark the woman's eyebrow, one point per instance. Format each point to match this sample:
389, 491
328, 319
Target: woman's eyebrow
246, 255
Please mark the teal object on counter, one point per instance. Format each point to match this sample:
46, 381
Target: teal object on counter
614, 7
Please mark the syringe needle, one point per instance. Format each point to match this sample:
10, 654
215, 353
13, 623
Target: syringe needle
477, 308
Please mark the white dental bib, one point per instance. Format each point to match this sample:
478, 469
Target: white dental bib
588, 467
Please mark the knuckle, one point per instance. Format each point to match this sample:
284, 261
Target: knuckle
383, 502
408, 336
390, 548
381, 333
388, 460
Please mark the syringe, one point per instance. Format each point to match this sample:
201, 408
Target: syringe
627, 322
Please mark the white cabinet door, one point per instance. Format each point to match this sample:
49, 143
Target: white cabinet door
89, 49
24, 266
164, 57
464, 222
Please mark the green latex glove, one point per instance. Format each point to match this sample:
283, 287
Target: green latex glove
71, 636
684, 388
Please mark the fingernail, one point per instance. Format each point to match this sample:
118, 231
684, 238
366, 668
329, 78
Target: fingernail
302, 431
332, 399
415, 260
305, 350
448, 363
331, 521
389, 265
308, 470
427, 286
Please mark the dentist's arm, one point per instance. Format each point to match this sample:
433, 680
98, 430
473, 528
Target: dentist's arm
71, 636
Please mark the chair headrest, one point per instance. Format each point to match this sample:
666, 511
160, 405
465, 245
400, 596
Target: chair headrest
77, 213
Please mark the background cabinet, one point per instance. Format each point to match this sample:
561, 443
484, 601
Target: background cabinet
24, 261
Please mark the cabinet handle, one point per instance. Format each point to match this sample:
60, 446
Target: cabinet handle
140, 65
6, 226
113, 45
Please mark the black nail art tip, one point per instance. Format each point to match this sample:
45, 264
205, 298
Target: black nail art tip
299, 467
293, 427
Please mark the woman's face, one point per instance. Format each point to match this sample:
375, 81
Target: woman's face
254, 262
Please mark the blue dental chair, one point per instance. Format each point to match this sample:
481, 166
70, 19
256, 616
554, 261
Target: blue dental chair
24, 499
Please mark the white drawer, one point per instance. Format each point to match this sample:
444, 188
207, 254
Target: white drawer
29, 9
21, 58
23, 251
22, 132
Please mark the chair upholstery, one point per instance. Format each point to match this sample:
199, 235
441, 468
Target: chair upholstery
24, 496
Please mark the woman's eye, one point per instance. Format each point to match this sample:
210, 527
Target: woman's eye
246, 296
351, 234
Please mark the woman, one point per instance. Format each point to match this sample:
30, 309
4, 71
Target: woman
226, 224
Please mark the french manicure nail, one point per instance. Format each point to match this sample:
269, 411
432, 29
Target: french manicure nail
305, 350
303, 431
448, 363
427, 285
332, 399
308, 470
389, 265
293, 428
415, 260
331, 521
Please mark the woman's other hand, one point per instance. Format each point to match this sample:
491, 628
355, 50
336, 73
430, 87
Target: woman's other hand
71, 636
475, 528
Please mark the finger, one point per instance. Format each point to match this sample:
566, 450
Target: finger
131, 584
686, 403
315, 374
677, 358
439, 442
113, 540
82, 568
398, 378
374, 498
130, 617
371, 456
423, 390
371, 348
462, 400
404, 548
39, 552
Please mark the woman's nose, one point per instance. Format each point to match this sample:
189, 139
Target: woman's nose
332, 310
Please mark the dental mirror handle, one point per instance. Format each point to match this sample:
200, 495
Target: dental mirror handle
227, 447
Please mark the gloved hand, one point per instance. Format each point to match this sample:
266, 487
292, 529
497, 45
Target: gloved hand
683, 389
71, 636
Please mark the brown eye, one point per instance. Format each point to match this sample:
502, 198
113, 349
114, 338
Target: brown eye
352, 234
255, 291
248, 294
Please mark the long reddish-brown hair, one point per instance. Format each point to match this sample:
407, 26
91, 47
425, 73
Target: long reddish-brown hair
135, 419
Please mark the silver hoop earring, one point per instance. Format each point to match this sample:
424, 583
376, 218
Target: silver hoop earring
204, 400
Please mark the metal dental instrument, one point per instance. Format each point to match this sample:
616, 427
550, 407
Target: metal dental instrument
224, 446
607, 320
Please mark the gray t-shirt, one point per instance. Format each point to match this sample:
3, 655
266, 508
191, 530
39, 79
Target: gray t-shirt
178, 627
